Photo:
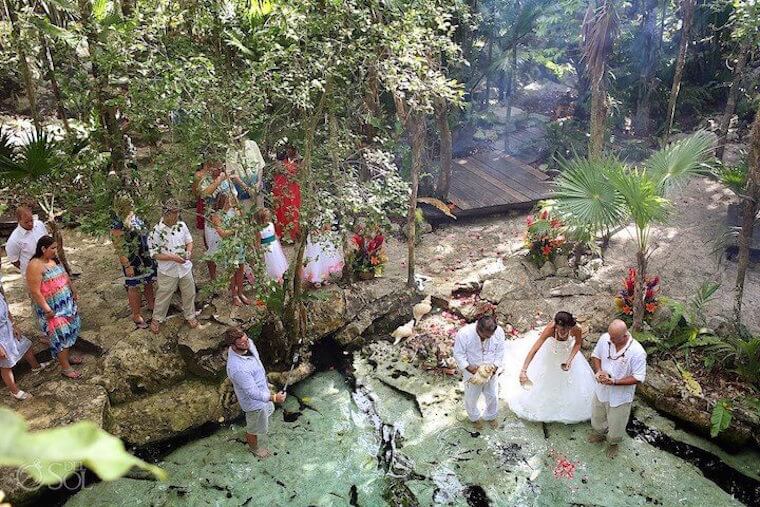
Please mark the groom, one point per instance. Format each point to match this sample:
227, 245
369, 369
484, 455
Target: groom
620, 363
477, 344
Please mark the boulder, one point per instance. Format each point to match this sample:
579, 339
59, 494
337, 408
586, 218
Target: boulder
592, 312
548, 269
203, 348
513, 281
325, 314
660, 389
169, 413
565, 272
140, 364
379, 317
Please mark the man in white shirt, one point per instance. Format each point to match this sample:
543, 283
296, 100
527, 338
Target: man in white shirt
171, 245
476, 344
620, 363
23, 240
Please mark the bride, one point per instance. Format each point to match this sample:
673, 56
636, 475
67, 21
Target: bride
555, 382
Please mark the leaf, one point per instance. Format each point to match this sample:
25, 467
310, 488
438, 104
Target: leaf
52, 454
720, 418
438, 204
71, 39
691, 383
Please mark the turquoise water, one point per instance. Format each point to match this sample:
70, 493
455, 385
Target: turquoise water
428, 454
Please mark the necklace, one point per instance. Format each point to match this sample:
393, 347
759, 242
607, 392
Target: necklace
622, 354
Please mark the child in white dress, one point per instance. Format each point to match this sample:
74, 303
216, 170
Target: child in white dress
323, 257
13, 347
274, 257
223, 221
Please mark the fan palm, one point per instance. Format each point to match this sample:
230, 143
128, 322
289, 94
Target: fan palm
602, 193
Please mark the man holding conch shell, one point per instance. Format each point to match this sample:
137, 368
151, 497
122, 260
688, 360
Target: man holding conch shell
479, 352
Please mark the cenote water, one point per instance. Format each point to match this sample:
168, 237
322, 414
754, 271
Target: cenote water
391, 435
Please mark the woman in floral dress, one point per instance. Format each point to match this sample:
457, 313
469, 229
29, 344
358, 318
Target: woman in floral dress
54, 302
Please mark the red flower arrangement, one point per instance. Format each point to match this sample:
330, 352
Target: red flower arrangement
544, 237
367, 254
624, 300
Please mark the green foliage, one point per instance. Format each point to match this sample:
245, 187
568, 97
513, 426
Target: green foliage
735, 177
566, 139
721, 416
48, 456
686, 327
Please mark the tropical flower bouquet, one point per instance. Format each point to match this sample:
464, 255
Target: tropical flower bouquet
367, 255
544, 237
624, 300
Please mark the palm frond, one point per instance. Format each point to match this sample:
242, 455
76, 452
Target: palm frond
674, 165
585, 195
36, 158
600, 27
735, 177
641, 196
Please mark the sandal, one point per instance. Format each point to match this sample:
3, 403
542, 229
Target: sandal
71, 373
76, 360
42, 366
154, 326
140, 324
21, 395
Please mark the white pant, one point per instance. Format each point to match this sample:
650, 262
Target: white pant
472, 394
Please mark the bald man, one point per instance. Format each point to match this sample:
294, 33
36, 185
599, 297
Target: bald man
620, 363
23, 241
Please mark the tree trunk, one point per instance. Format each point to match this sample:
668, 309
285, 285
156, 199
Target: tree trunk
47, 58
416, 128
486, 102
510, 97
114, 138
26, 71
638, 291
598, 117
733, 94
687, 16
444, 176
749, 212
649, 48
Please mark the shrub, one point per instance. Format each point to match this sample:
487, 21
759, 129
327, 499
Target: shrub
624, 300
544, 237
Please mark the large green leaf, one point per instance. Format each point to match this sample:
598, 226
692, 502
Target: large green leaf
49, 455
585, 196
674, 165
720, 418
642, 199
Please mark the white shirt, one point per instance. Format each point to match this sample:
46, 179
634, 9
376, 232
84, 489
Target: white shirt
631, 360
171, 240
470, 350
22, 244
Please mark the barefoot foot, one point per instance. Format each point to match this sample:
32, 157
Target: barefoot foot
478, 424
71, 373
612, 450
262, 453
595, 438
494, 424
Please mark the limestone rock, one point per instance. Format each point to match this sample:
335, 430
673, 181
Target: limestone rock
326, 314
139, 364
168, 413
584, 273
565, 272
203, 348
548, 269
514, 282
379, 317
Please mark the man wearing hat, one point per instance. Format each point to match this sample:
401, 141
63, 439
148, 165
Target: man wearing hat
171, 245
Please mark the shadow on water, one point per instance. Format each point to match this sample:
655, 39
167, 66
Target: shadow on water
476, 496
742, 487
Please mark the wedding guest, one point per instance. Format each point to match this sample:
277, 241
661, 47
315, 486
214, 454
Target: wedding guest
54, 302
129, 236
171, 245
620, 363
223, 221
22, 242
323, 256
246, 372
13, 347
210, 182
274, 256
286, 192
480, 344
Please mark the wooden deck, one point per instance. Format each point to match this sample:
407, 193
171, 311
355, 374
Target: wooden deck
490, 181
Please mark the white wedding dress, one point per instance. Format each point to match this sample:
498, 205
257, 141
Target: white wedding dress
556, 395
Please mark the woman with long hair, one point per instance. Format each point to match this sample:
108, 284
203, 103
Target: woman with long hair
130, 240
54, 302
